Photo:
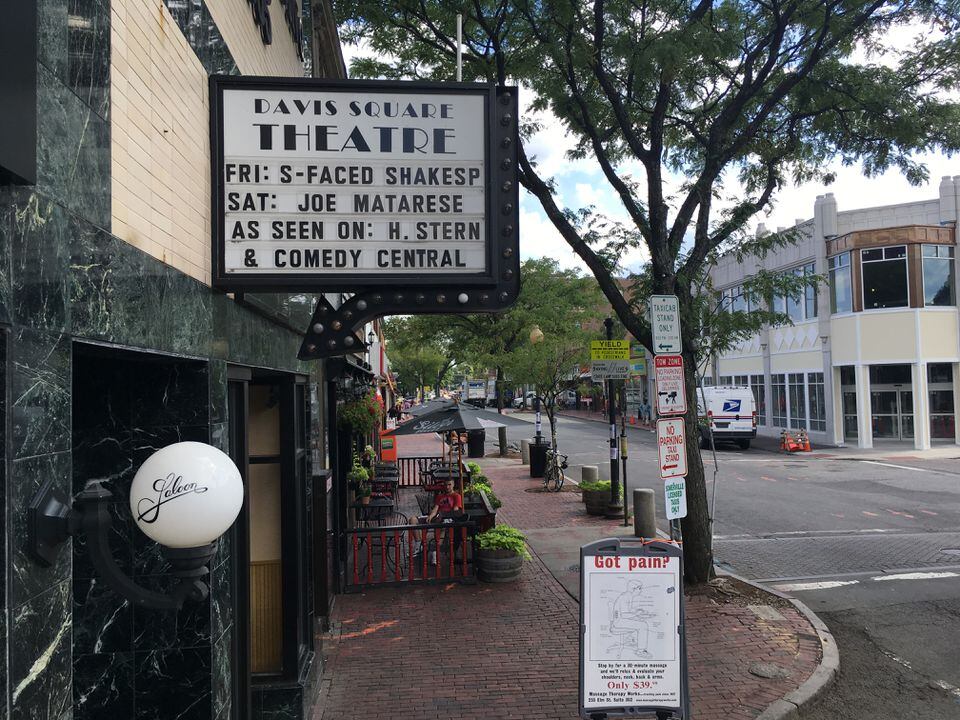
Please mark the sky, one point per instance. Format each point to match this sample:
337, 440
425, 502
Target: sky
580, 183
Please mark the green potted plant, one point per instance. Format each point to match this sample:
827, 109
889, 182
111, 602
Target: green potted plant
596, 496
357, 478
500, 555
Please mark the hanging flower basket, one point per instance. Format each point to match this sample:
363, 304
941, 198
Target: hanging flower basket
361, 416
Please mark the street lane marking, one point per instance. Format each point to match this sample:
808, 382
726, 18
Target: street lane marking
928, 512
811, 533
867, 512
917, 576
898, 467
825, 585
903, 514
830, 584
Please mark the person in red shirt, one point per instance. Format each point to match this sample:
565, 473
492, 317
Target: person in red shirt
447, 505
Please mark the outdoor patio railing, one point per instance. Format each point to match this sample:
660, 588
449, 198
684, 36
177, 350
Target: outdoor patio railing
412, 469
405, 554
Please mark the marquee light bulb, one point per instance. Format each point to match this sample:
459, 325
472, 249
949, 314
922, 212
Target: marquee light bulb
186, 495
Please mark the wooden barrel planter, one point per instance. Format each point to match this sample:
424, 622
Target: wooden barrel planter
498, 566
596, 501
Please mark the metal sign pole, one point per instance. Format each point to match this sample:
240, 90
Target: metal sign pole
615, 507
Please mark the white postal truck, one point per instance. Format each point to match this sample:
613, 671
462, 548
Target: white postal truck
730, 412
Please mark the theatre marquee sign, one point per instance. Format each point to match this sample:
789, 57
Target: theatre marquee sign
341, 185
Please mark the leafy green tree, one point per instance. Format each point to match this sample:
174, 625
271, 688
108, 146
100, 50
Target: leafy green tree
416, 362
550, 366
755, 92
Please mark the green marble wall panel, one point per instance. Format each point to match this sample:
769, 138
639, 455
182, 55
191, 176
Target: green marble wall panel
39, 256
73, 151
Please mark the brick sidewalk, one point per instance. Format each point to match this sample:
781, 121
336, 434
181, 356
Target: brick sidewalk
510, 651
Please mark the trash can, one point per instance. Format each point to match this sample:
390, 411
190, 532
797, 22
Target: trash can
538, 458
475, 442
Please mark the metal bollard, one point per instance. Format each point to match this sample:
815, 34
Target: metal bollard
644, 513
525, 451
589, 473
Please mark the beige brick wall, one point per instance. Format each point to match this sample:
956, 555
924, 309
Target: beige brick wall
253, 57
160, 117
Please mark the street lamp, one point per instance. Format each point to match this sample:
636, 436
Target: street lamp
536, 335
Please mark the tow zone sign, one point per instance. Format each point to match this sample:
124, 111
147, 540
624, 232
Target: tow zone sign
672, 445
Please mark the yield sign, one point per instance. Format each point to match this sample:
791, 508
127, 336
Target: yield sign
671, 389
672, 445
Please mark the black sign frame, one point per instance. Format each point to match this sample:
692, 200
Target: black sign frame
500, 187
635, 547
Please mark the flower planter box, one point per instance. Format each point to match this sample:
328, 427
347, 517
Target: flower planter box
596, 501
498, 566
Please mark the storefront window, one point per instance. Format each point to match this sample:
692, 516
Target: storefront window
885, 282
759, 397
778, 389
940, 377
841, 284
798, 402
818, 405
740, 380
938, 280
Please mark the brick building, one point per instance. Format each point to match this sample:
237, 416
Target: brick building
113, 344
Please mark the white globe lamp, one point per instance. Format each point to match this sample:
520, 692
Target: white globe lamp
186, 495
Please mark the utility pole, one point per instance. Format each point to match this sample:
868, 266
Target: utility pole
615, 508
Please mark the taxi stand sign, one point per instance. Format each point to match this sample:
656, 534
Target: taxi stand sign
671, 442
633, 648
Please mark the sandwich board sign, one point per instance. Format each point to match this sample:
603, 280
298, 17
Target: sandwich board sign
665, 324
671, 388
632, 641
671, 443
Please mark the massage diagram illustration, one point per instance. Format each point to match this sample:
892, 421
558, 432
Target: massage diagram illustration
635, 618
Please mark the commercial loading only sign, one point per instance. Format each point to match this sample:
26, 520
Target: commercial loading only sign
633, 645
671, 388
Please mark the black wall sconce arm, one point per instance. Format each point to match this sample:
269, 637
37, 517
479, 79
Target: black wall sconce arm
53, 519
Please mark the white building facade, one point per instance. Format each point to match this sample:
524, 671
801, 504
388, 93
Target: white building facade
873, 355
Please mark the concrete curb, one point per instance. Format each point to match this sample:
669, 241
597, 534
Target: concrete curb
826, 672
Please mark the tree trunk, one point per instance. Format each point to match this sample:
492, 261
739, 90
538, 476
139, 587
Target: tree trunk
697, 554
501, 431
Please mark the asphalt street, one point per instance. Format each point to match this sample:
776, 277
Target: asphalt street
871, 544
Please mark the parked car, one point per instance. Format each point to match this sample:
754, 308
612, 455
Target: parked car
730, 413
524, 401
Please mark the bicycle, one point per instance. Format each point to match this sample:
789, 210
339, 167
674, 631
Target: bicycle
553, 474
